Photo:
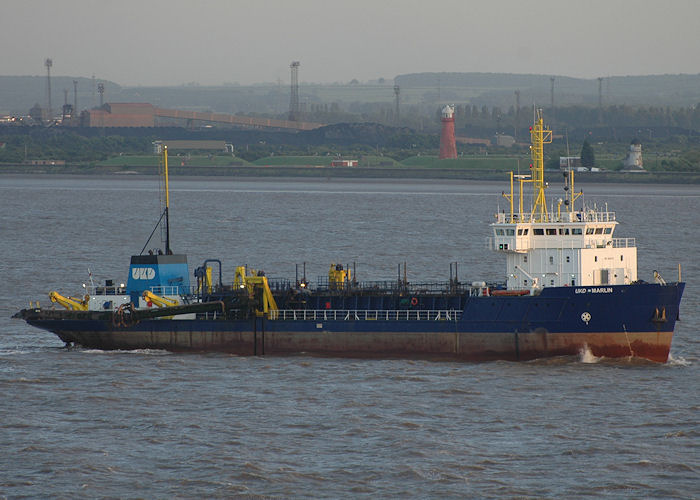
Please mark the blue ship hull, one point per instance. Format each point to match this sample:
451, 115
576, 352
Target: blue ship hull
613, 321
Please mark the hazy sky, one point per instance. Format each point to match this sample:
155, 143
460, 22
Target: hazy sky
159, 42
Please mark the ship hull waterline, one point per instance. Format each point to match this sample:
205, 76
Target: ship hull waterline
235, 339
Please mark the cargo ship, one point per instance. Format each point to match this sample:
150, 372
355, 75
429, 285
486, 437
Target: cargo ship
570, 286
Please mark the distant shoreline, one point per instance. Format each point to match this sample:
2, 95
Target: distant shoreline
295, 171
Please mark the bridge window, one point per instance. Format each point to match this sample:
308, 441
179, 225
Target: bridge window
510, 232
538, 231
564, 231
551, 231
576, 230
499, 232
599, 230
608, 230
589, 230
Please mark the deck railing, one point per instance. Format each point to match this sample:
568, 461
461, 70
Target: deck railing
365, 315
624, 242
564, 217
169, 290
93, 290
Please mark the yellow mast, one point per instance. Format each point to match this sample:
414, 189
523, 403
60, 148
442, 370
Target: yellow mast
522, 179
539, 136
167, 201
509, 197
165, 214
165, 167
520, 196
573, 196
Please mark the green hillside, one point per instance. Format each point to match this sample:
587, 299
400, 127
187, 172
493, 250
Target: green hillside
293, 160
174, 161
324, 161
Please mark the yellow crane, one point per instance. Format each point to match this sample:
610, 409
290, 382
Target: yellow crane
70, 303
253, 280
158, 300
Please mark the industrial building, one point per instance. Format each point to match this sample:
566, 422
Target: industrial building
344, 163
141, 114
125, 114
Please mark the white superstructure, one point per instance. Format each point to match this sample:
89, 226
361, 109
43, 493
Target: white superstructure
567, 248
573, 249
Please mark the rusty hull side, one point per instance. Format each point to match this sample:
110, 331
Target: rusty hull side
654, 346
472, 346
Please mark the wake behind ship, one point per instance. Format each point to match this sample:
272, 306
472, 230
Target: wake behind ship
570, 284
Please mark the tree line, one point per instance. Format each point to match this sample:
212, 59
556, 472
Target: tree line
492, 119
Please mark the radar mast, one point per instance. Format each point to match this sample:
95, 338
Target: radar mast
539, 136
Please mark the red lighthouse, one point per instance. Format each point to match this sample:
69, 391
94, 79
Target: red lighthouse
448, 148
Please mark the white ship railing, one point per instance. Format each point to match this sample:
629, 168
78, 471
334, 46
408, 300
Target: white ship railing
523, 244
365, 315
94, 290
565, 217
624, 242
613, 242
167, 290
